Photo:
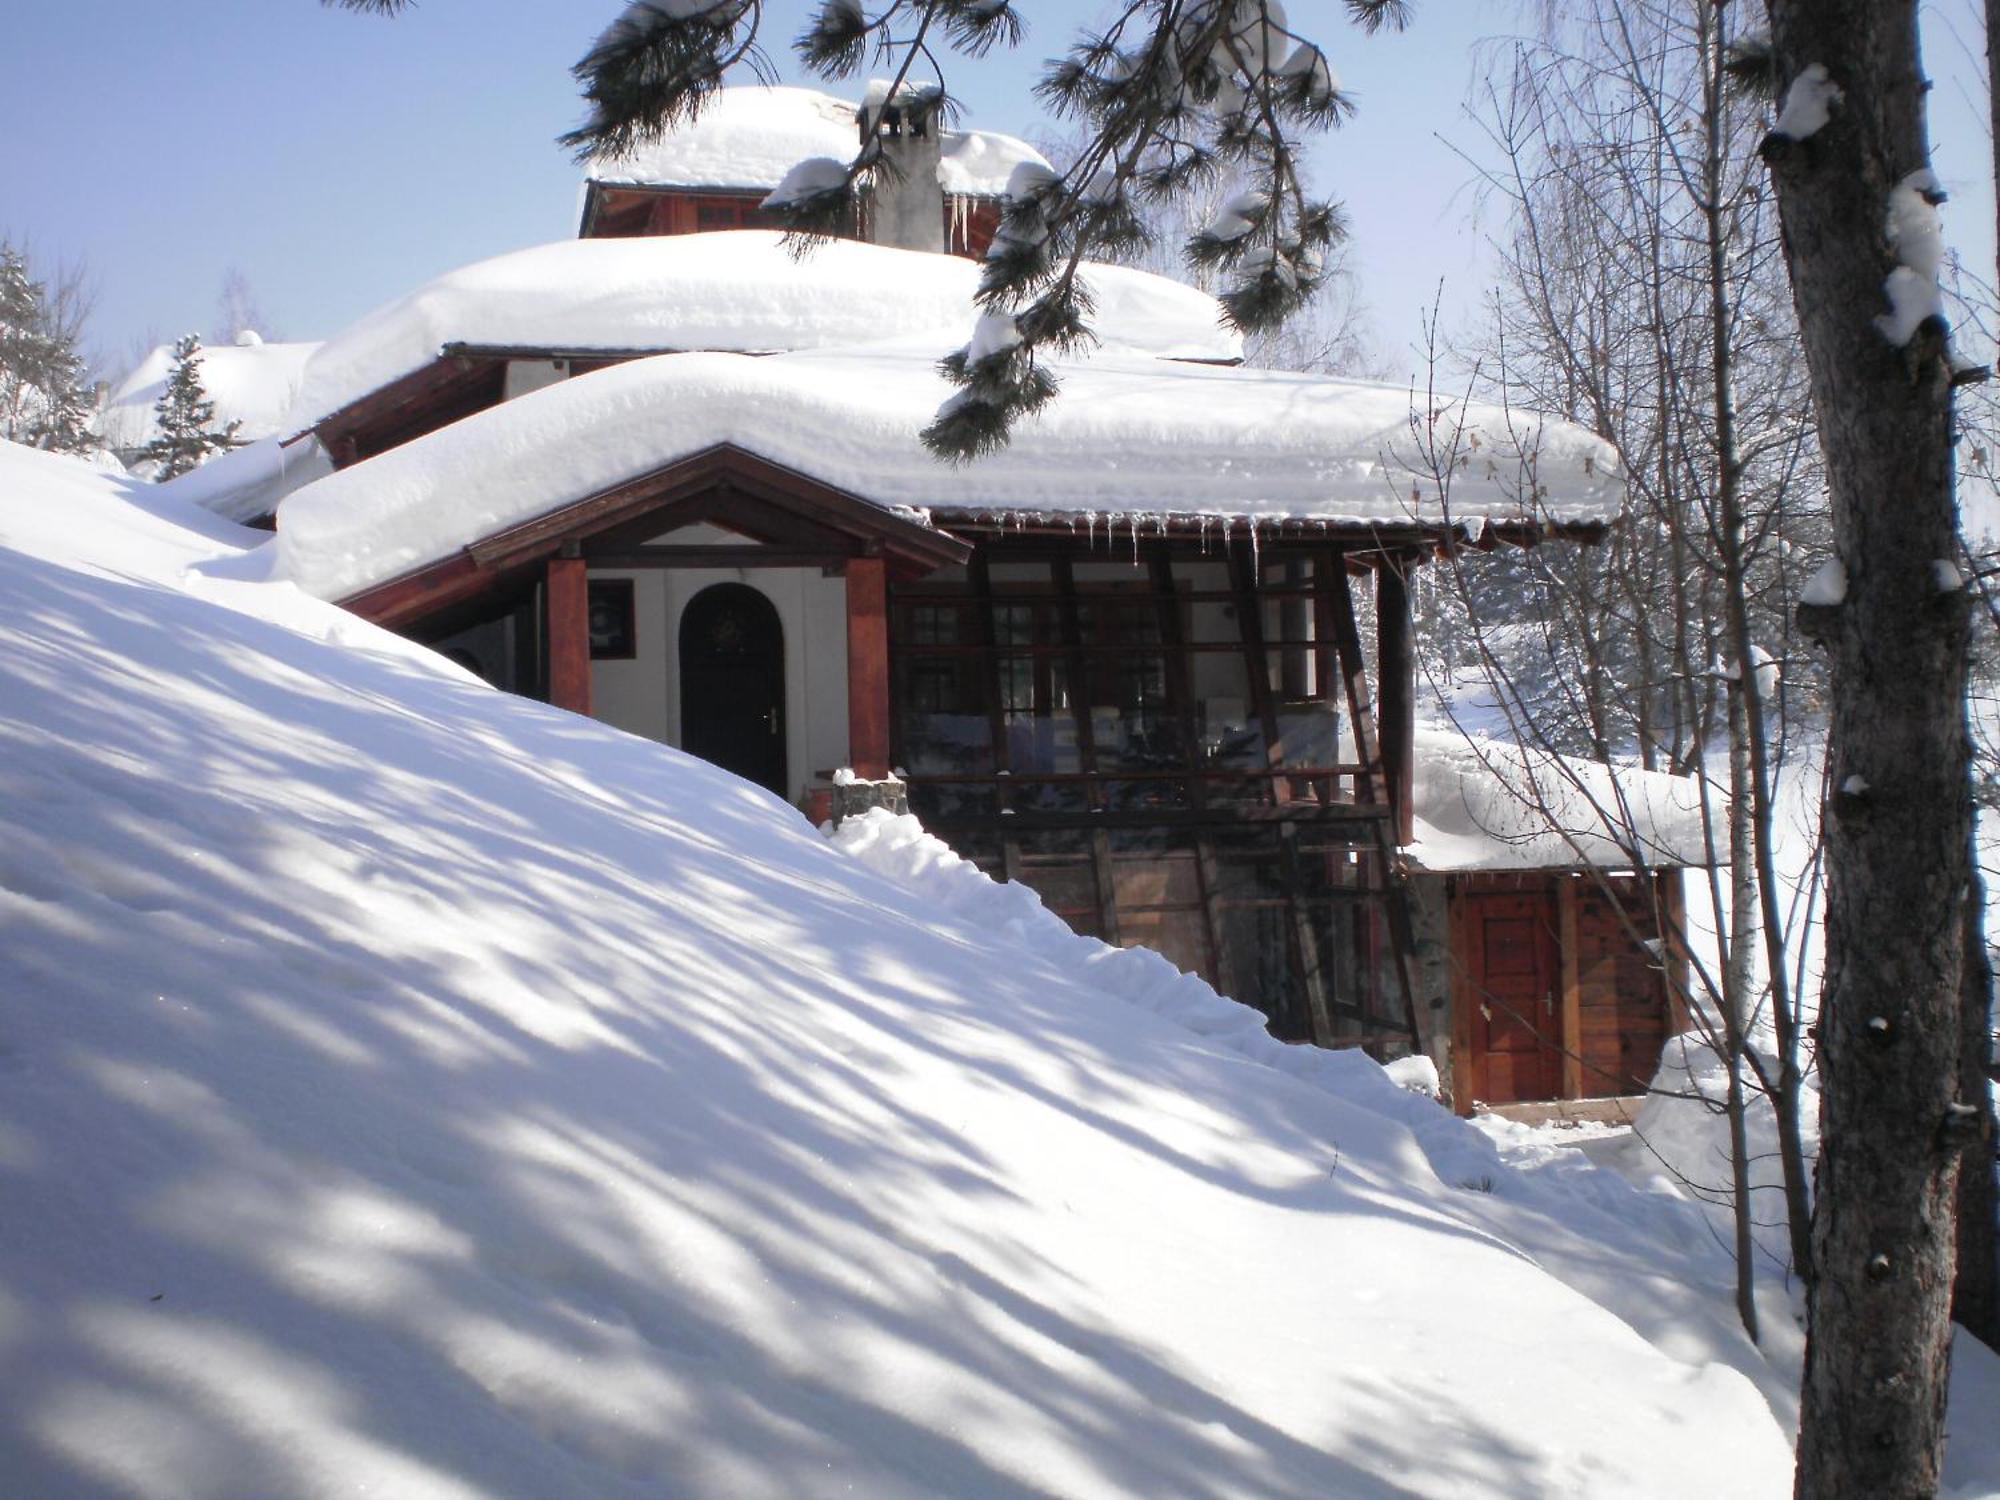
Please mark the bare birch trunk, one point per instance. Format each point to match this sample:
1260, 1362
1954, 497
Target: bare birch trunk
1738, 981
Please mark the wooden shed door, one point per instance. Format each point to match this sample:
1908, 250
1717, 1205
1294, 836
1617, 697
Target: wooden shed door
732, 660
1514, 986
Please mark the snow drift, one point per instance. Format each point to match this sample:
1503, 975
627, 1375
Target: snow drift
408, 1089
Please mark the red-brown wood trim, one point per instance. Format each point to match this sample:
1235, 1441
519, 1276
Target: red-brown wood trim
423, 592
652, 557
568, 595
908, 548
1572, 984
868, 667
428, 384
786, 488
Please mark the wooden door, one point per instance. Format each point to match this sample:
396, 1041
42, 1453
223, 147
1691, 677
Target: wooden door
1514, 989
732, 665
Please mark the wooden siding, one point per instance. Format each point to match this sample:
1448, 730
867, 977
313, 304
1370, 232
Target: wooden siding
1616, 1006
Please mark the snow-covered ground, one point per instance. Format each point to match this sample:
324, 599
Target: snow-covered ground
407, 1089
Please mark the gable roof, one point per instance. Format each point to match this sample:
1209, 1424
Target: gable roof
750, 137
1132, 440
798, 517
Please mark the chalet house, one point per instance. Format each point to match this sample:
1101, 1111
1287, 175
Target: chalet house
1154, 659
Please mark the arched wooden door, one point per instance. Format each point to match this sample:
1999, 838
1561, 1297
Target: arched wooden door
732, 663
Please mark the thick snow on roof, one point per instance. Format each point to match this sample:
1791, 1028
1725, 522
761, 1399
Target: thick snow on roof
255, 384
750, 137
1129, 439
413, 1090
1489, 804
251, 482
739, 290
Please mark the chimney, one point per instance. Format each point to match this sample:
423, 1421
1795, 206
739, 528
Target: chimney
906, 202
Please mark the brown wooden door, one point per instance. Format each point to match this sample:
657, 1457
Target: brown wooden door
1514, 987
732, 660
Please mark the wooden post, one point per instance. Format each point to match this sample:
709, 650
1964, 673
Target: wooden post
1671, 905
1396, 668
868, 667
567, 591
1464, 997
1567, 933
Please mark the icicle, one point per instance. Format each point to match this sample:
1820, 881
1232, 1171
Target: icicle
1135, 541
1256, 559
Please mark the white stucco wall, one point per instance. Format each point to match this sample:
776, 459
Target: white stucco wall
642, 695
525, 375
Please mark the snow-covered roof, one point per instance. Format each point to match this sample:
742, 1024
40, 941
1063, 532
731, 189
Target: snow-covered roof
750, 137
1131, 439
254, 383
248, 483
1490, 804
738, 290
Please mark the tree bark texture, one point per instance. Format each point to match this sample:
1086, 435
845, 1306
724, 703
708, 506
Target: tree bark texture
1878, 1345
1975, 1297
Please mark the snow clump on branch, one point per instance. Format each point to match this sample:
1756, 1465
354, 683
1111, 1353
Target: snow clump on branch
1918, 238
1809, 104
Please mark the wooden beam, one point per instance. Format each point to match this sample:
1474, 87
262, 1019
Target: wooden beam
568, 593
827, 509
1670, 905
868, 667
1464, 997
636, 558
1572, 984
1396, 674
1354, 677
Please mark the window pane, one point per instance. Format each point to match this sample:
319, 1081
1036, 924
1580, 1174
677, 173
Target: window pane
944, 725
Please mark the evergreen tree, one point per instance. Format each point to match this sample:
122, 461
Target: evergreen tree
43, 402
188, 435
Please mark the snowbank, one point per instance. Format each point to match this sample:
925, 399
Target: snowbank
1684, 1129
1129, 439
410, 1089
750, 137
738, 290
254, 384
1490, 804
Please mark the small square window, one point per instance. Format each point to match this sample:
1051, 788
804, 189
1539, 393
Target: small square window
613, 631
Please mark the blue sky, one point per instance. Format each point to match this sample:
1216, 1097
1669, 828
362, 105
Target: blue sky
338, 160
